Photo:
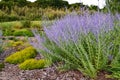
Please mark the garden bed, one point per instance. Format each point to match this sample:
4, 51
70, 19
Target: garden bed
12, 72
76, 47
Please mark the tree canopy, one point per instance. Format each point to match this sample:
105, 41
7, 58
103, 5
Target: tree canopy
37, 3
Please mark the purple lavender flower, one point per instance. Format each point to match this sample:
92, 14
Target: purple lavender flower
118, 16
70, 27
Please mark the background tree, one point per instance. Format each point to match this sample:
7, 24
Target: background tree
59, 3
20, 3
113, 5
51, 3
7, 4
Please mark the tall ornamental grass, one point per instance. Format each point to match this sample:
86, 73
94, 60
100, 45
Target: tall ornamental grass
87, 42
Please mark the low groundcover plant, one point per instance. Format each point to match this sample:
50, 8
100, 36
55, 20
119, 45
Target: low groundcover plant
87, 42
21, 56
32, 64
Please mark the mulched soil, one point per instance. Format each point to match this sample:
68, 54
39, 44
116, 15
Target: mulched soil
12, 72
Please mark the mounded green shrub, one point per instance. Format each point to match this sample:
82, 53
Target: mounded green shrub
21, 56
23, 32
26, 23
32, 64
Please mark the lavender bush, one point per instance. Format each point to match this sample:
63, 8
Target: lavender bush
83, 42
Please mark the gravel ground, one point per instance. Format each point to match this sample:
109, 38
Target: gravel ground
12, 72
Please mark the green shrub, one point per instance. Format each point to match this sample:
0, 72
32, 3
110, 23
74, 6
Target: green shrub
22, 32
32, 64
21, 56
53, 14
17, 25
36, 24
7, 32
26, 23
7, 28
12, 17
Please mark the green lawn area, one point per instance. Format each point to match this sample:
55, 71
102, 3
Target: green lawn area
21, 28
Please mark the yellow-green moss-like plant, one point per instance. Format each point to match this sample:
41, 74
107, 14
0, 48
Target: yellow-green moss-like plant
31, 64
17, 43
21, 56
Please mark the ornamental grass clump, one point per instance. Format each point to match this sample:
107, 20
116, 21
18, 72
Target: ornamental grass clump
23, 32
83, 42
